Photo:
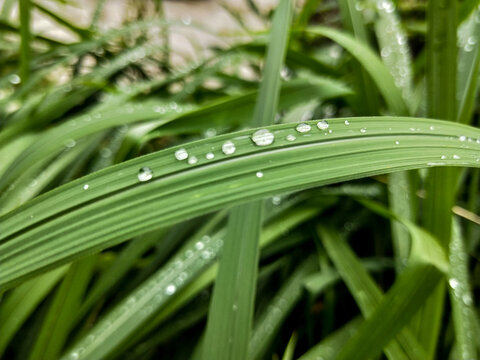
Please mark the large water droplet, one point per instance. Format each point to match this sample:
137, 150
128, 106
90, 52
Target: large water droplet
259, 174
453, 283
85, 187
303, 128
323, 125
263, 137
181, 154
14, 79
145, 174
199, 245
228, 147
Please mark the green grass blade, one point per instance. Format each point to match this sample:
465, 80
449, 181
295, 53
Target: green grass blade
270, 321
371, 63
59, 321
366, 292
353, 22
461, 298
192, 269
440, 183
82, 33
25, 37
395, 311
468, 67
329, 348
290, 350
22, 301
232, 306
117, 206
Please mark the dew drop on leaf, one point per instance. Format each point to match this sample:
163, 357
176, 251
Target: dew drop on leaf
323, 125
181, 154
145, 174
209, 156
263, 137
228, 147
259, 174
291, 137
303, 128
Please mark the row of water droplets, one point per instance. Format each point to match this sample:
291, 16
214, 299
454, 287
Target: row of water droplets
264, 137
154, 292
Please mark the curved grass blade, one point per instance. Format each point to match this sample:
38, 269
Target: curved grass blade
51, 229
371, 63
395, 311
366, 292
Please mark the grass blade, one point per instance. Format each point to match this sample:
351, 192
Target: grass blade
118, 206
461, 298
231, 310
366, 292
25, 39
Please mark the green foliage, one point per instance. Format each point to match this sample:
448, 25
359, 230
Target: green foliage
151, 208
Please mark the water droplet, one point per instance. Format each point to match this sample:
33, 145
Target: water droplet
443, 157
303, 128
181, 154
347, 122
432, 127
323, 125
192, 160
210, 132
170, 290
70, 143
276, 200
363, 130
209, 156
453, 283
456, 157
207, 254
159, 109
235, 307
263, 137
187, 20
397, 142
199, 245
145, 174
259, 174
188, 254
14, 79
74, 355
228, 148
291, 137
85, 187
462, 138
467, 299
